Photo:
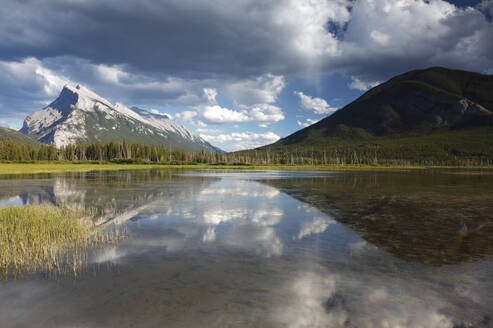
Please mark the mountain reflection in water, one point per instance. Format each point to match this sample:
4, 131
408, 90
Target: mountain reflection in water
267, 248
436, 218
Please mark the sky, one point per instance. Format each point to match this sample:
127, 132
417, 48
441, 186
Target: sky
240, 73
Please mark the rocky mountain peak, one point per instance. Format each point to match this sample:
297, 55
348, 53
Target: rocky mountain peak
79, 115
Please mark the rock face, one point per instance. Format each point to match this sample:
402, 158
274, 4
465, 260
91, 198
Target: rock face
421, 100
79, 115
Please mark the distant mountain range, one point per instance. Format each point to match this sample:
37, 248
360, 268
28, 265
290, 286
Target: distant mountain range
79, 115
419, 101
7, 134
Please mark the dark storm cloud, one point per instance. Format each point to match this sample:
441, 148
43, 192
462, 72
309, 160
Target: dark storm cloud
218, 38
166, 52
186, 38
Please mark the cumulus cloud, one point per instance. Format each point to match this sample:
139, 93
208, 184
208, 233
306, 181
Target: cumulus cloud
218, 114
187, 115
211, 95
266, 113
263, 89
380, 37
215, 114
384, 38
318, 105
243, 140
157, 112
24, 84
263, 113
307, 122
202, 130
357, 84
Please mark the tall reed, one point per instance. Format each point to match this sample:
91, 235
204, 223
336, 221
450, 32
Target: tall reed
46, 238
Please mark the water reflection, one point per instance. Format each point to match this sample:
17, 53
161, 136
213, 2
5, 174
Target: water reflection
431, 217
238, 249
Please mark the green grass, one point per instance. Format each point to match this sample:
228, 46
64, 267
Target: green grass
45, 238
53, 167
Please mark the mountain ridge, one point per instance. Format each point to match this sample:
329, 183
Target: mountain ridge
413, 102
7, 134
79, 115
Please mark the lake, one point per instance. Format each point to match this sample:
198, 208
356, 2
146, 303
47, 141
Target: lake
229, 248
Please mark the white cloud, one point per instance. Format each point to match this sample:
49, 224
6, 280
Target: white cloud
213, 113
266, 113
201, 130
111, 74
318, 105
384, 38
114, 80
210, 94
243, 140
263, 89
305, 22
31, 71
308, 122
357, 84
186, 116
379, 37
217, 114
25, 85
157, 112
190, 116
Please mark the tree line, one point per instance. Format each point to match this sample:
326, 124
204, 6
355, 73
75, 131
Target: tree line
340, 155
98, 151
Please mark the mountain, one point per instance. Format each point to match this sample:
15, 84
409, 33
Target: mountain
435, 116
79, 115
7, 134
415, 103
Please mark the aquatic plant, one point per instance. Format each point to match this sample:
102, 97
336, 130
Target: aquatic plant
49, 239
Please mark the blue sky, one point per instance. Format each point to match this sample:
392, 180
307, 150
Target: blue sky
240, 73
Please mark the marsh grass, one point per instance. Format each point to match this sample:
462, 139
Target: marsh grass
49, 239
58, 167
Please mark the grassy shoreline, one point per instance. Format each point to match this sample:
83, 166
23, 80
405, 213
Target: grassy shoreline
53, 167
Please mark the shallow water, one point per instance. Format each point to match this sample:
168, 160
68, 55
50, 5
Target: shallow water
213, 248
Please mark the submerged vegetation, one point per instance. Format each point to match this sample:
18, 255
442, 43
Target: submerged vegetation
46, 238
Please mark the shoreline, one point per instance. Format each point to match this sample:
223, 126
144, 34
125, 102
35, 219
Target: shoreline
55, 167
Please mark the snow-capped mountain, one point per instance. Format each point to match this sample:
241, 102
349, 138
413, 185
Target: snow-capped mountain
79, 115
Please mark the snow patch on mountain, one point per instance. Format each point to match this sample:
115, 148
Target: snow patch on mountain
87, 99
81, 115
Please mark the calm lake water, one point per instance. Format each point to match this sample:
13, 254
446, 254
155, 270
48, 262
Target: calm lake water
212, 248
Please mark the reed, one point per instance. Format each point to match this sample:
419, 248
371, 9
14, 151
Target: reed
49, 239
